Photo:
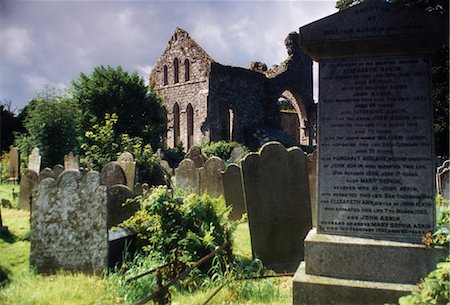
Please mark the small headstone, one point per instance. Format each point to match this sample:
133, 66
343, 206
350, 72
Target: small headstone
14, 163
195, 154
278, 204
46, 173
233, 191
145, 187
6, 203
112, 174
29, 183
34, 160
128, 165
71, 162
211, 177
166, 166
187, 176
118, 211
137, 190
237, 154
58, 169
312, 175
443, 180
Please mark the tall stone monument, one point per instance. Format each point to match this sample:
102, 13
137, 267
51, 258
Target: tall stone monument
376, 164
34, 160
71, 161
127, 163
14, 163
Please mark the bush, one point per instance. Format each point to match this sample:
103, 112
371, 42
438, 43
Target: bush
221, 149
174, 155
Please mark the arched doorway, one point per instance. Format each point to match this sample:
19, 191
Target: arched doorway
293, 117
176, 125
190, 125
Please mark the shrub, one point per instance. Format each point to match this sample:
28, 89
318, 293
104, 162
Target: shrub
221, 149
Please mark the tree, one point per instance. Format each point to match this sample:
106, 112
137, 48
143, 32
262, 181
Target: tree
10, 124
440, 72
112, 90
52, 125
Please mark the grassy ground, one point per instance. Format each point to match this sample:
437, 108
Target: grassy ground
6, 192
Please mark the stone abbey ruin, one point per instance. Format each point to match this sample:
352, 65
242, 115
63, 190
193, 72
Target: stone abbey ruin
208, 101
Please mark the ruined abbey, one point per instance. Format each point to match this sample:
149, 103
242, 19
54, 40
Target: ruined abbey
207, 101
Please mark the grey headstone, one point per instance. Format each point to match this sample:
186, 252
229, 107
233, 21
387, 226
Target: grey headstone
442, 180
211, 177
118, 211
195, 154
46, 173
112, 174
6, 203
14, 163
126, 161
166, 166
237, 154
58, 169
137, 190
187, 176
29, 183
34, 160
312, 175
233, 191
68, 224
71, 162
145, 187
278, 204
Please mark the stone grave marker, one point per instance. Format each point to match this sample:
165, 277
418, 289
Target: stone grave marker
34, 160
137, 189
29, 183
118, 211
278, 204
187, 176
211, 177
58, 169
195, 154
68, 224
166, 166
112, 174
46, 173
237, 154
126, 161
233, 190
14, 163
442, 180
376, 164
71, 162
312, 175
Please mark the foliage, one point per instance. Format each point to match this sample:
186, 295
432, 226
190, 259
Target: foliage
113, 90
221, 149
10, 123
52, 124
441, 235
174, 155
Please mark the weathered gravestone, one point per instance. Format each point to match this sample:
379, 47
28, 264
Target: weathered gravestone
68, 224
34, 160
443, 180
195, 154
29, 183
58, 169
128, 165
46, 173
278, 204
233, 190
71, 162
312, 175
237, 154
118, 211
376, 170
211, 177
138, 190
112, 174
187, 176
14, 163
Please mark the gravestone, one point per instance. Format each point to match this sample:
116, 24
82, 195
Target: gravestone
14, 163
195, 154
68, 224
278, 204
187, 176
375, 170
137, 190
118, 211
237, 154
46, 173
112, 174
58, 169
211, 177
312, 176
233, 191
34, 160
166, 167
29, 183
128, 165
71, 162
442, 180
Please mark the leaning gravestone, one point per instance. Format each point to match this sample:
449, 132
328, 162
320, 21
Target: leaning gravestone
112, 174
118, 211
71, 162
195, 154
58, 169
312, 175
187, 176
34, 160
211, 177
278, 204
29, 183
443, 180
128, 165
46, 173
68, 224
376, 169
14, 163
233, 191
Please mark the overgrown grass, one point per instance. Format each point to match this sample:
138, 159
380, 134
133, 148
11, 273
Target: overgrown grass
6, 192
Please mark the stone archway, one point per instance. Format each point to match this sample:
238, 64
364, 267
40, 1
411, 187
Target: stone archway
294, 119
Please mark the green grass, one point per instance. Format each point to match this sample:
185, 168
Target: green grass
6, 192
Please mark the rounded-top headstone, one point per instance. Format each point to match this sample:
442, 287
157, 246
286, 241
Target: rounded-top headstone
46, 173
58, 169
195, 154
112, 174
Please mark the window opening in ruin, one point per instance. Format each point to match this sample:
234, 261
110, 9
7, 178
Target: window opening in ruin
176, 77
190, 125
166, 75
293, 117
176, 125
230, 123
187, 71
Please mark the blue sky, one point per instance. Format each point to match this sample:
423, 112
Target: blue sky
51, 42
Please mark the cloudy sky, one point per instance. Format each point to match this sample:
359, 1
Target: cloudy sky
51, 42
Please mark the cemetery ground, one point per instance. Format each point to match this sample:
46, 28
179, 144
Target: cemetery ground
24, 286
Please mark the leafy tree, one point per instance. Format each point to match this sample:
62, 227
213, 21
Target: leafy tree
52, 125
112, 90
440, 72
10, 123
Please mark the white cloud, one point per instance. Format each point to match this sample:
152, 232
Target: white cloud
16, 44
